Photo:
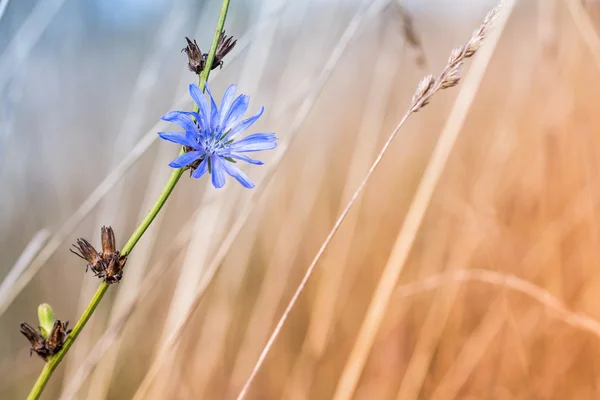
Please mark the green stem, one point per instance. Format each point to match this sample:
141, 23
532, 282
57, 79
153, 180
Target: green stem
213, 47
53, 362
141, 229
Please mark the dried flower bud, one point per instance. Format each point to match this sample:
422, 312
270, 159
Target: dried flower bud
57, 337
197, 60
108, 264
46, 347
46, 319
114, 269
84, 250
108, 242
37, 341
225, 45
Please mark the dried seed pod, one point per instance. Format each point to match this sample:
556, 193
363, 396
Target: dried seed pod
37, 341
196, 60
57, 336
225, 45
108, 264
84, 250
114, 269
108, 242
46, 347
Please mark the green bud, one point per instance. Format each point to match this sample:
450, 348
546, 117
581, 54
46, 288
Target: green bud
46, 318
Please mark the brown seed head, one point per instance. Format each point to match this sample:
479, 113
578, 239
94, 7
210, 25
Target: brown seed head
225, 45
114, 269
108, 264
57, 336
108, 242
46, 347
83, 249
37, 341
196, 60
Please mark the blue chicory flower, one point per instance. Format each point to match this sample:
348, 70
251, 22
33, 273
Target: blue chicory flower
210, 134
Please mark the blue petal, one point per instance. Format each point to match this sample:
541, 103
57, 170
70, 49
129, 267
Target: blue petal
186, 159
226, 104
218, 172
183, 138
200, 100
201, 170
245, 124
237, 174
242, 157
203, 126
214, 111
182, 119
255, 142
236, 112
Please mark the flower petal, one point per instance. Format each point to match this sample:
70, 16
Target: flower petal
226, 103
201, 170
183, 138
218, 172
195, 116
186, 159
182, 119
236, 112
202, 104
255, 142
245, 124
214, 111
242, 157
237, 174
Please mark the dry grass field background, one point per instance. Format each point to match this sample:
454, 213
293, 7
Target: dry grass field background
497, 295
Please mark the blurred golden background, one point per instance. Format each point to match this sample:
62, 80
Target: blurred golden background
82, 85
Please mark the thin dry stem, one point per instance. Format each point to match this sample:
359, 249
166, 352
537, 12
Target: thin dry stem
24, 260
462, 250
322, 319
426, 89
417, 209
542, 296
419, 205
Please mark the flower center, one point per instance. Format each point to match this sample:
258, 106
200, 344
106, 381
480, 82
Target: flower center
214, 142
